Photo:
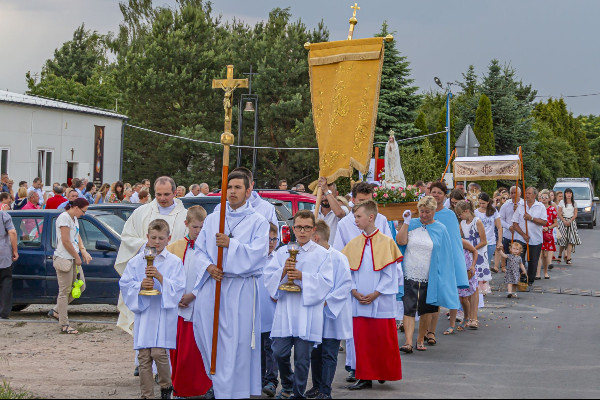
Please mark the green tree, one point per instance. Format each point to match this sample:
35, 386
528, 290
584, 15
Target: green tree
398, 98
421, 164
79, 58
484, 131
421, 124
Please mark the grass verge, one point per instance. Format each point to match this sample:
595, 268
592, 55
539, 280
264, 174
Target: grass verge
7, 392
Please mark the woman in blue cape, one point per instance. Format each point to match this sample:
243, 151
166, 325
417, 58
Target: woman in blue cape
430, 279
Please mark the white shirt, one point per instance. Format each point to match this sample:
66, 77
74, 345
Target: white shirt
135, 197
65, 219
490, 225
536, 232
189, 194
347, 230
332, 221
568, 211
39, 191
155, 316
506, 214
417, 257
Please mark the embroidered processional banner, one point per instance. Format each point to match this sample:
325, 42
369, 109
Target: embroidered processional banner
487, 168
345, 77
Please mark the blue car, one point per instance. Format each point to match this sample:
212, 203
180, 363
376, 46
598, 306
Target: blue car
34, 276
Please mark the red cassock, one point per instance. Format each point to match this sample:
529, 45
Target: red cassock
188, 373
377, 351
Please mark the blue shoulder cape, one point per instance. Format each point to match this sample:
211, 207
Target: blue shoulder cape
441, 289
448, 219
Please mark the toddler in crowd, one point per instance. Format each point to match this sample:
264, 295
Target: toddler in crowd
514, 268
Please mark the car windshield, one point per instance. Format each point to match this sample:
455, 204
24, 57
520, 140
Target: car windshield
112, 223
581, 193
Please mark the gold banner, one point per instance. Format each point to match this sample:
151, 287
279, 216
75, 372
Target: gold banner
345, 78
487, 168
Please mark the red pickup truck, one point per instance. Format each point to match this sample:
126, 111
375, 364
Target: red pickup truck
294, 201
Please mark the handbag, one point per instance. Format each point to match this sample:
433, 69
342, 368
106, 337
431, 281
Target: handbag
77, 285
558, 234
62, 264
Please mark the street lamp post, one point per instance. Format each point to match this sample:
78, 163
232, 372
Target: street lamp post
448, 97
248, 103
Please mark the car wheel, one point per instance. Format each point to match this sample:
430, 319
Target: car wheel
19, 307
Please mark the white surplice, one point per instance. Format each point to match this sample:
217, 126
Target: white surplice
267, 305
238, 349
338, 307
135, 235
346, 231
301, 314
366, 281
191, 276
155, 316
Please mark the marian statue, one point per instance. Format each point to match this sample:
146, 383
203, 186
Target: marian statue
394, 176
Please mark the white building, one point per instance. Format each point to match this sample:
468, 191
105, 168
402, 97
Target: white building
58, 141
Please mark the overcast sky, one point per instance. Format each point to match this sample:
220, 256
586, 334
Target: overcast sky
554, 45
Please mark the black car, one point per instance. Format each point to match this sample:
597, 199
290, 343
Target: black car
34, 276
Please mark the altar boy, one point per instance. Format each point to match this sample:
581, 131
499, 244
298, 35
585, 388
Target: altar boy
155, 327
373, 259
187, 367
298, 321
337, 316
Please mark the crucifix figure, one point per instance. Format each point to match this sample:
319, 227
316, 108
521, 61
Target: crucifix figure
227, 139
353, 21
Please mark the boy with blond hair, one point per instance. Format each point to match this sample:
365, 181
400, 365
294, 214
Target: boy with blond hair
155, 327
187, 368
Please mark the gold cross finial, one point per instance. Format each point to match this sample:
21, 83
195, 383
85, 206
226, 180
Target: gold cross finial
353, 21
356, 8
229, 85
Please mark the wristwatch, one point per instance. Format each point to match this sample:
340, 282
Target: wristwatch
328, 193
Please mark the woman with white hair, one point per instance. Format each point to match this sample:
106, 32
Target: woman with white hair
429, 278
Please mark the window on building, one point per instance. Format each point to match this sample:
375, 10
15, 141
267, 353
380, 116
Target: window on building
4, 160
45, 158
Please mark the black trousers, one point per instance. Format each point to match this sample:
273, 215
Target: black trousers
534, 257
6, 291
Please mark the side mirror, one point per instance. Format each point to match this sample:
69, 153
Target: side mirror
104, 245
596, 199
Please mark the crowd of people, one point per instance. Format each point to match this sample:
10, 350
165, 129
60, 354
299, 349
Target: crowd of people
356, 280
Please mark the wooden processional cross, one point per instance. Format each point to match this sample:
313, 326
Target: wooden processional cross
227, 139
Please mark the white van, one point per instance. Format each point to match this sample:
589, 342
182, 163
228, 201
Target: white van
583, 189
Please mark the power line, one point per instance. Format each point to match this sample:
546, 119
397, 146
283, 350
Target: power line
263, 147
577, 95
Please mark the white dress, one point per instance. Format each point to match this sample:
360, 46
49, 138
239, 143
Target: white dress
471, 233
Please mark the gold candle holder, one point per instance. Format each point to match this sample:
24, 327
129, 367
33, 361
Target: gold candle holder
149, 255
290, 286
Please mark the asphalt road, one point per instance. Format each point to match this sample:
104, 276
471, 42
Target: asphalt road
542, 345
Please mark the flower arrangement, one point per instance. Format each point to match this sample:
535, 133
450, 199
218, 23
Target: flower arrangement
393, 195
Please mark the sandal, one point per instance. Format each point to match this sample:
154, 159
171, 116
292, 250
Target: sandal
460, 327
53, 314
474, 325
67, 330
449, 331
407, 348
569, 262
430, 341
421, 347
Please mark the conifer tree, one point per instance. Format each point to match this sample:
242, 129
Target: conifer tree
484, 131
398, 98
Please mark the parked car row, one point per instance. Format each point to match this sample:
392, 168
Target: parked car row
34, 277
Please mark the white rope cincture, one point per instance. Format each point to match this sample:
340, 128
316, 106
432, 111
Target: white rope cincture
262, 147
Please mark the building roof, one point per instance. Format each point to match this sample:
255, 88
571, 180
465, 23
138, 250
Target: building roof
24, 99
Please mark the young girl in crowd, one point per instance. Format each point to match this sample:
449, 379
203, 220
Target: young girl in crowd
514, 268
466, 295
473, 231
493, 227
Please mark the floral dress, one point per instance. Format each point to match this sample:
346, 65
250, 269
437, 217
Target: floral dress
483, 272
549, 244
473, 281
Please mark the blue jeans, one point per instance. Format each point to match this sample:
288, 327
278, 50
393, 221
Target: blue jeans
267, 361
282, 350
323, 363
